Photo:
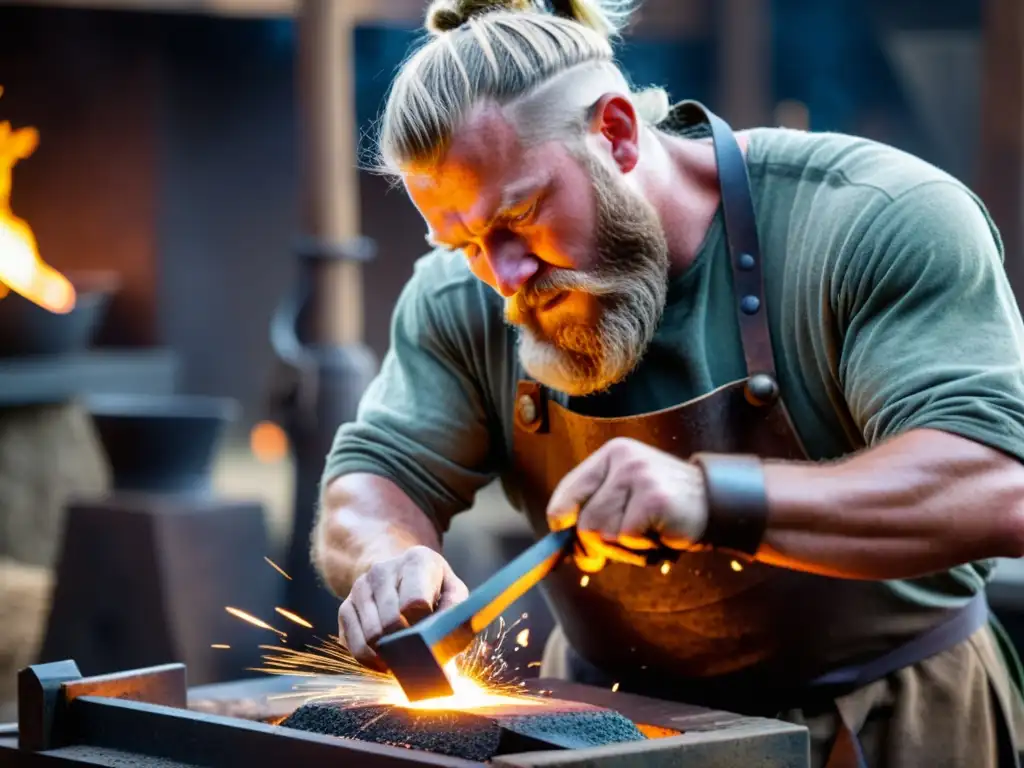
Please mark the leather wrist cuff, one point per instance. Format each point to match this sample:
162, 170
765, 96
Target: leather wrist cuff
737, 502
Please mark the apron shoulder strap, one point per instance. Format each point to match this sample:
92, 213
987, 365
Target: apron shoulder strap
741, 237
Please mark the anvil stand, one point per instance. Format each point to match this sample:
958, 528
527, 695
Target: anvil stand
145, 571
317, 389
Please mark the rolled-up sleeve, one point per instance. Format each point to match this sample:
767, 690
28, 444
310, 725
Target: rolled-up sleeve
422, 423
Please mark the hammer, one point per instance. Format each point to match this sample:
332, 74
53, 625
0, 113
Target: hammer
417, 655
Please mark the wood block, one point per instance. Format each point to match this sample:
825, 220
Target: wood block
477, 734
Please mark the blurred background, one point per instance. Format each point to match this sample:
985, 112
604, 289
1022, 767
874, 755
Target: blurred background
194, 183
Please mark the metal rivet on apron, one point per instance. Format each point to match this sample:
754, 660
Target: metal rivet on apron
750, 304
527, 409
746, 262
762, 389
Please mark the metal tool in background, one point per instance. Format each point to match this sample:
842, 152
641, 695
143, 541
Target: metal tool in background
417, 655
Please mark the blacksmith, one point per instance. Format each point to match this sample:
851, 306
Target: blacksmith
794, 356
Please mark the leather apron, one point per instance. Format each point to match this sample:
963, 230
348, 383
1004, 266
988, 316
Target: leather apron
714, 631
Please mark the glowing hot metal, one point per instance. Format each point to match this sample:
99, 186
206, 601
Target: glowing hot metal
333, 675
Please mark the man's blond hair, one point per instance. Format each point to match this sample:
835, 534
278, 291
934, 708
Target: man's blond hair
548, 64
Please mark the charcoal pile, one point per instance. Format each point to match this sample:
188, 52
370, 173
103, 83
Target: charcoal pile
479, 734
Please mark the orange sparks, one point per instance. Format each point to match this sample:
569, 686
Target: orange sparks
615, 688
523, 638
240, 614
330, 673
533, 664
585, 580
736, 565
220, 646
277, 567
294, 617
665, 568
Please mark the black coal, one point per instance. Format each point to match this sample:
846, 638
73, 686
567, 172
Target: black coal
469, 735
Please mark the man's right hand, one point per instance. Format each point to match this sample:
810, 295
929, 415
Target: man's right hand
394, 594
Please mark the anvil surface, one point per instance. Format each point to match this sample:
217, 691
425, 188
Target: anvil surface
139, 718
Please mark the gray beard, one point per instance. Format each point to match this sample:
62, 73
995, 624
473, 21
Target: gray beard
629, 283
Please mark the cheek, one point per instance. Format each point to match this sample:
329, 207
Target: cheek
568, 241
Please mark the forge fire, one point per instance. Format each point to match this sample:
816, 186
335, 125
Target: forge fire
21, 267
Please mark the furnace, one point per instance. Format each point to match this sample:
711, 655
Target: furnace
150, 719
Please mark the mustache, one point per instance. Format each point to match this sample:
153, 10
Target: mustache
541, 290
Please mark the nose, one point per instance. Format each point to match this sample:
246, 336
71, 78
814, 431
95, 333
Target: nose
510, 261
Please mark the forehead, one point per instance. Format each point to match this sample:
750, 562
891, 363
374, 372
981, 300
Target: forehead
485, 165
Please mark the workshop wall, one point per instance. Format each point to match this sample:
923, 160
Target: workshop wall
169, 152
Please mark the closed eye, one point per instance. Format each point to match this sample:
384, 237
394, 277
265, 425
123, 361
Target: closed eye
525, 214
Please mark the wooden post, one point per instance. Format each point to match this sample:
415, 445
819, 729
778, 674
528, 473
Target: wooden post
329, 143
1001, 155
744, 90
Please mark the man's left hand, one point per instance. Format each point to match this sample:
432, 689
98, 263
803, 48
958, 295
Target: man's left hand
627, 497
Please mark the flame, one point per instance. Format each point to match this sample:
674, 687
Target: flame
22, 270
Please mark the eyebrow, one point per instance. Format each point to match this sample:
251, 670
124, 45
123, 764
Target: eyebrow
512, 196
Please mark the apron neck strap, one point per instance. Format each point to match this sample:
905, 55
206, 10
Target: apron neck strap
741, 237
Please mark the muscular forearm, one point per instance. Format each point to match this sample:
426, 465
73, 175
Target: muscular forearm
920, 503
365, 519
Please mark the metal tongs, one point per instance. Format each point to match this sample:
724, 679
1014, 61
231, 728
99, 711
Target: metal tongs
417, 655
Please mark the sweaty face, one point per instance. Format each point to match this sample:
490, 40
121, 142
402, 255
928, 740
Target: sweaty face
580, 258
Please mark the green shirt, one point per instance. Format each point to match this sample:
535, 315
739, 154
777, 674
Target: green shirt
888, 306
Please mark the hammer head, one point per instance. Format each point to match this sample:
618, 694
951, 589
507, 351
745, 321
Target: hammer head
417, 656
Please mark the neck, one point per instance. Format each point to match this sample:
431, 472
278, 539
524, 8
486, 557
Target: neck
679, 177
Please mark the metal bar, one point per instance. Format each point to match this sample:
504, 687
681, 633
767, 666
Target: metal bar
213, 741
164, 685
418, 654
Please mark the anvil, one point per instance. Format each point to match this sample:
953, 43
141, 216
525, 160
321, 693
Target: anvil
417, 655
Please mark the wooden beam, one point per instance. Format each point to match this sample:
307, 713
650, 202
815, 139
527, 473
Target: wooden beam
326, 67
1001, 154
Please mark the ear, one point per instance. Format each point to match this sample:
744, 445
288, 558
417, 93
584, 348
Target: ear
614, 118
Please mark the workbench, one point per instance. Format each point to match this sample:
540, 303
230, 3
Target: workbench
148, 718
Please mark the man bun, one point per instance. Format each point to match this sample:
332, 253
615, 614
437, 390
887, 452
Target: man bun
446, 15
606, 17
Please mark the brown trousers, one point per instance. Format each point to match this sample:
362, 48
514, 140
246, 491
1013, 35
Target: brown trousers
940, 713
